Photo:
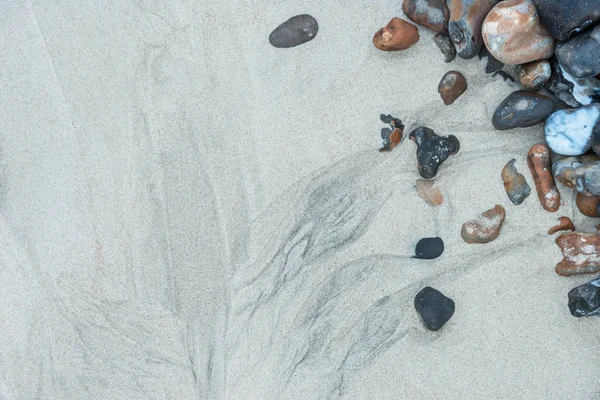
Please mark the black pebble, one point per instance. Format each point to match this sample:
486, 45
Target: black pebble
565, 18
580, 56
296, 30
434, 308
444, 43
429, 248
521, 109
584, 300
432, 150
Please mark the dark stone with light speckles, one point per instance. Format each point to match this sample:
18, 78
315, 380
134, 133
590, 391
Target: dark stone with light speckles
434, 308
446, 46
521, 109
432, 150
295, 31
429, 248
584, 300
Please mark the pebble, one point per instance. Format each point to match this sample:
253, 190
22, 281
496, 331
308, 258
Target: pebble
564, 169
396, 35
580, 56
452, 86
493, 64
429, 248
429, 192
572, 91
512, 32
581, 253
564, 224
564, 18
521, 109
464, 26
588, 205
485, 228
534, 75
587, 179
432, 150
434, 308
515, 184
584, 300
446, 46
538, 159
295, 31
596, 142
391, 137
569, 131
432, 14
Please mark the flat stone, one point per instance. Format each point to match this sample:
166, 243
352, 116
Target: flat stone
434, 308
295, 31
581, 253
485, 228
584, 300
521, 109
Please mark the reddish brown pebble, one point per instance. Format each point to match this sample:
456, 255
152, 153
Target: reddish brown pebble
534, 75
485, 228
564, 224
581, 253
538, 160
512, 32
588, 205
429, 192
396, 35
452, 85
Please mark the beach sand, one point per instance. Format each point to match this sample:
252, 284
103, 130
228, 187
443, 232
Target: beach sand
187, 212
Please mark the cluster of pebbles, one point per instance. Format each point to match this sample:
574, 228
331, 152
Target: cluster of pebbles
552, 47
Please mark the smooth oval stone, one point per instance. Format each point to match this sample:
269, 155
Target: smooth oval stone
452, 86
587, 179
434, 308
580, 55
584, 300
569, 132
396, 35
432, 150
521, 109
515, 184
464, 26
295, 31
429, 248
432, 14
563, 18
581, 253
534, 75
444, 43
588, 205
512, 32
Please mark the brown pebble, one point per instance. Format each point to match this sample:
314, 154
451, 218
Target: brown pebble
534, 75
564, 224
452, 85
396, 35
485, 228
581, 253
588, 205
538, 160
429, 192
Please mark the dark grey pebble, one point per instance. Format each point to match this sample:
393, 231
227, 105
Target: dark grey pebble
580, 55
587, 179
565, 18
521, 109
429, 248
434, 308
584, 300
444, 43
296, 30
432, 150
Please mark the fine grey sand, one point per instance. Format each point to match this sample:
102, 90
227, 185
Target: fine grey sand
187, 212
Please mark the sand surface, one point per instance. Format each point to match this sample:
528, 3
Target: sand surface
187, 212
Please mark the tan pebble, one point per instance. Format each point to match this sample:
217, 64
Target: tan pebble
485, 228
429, 192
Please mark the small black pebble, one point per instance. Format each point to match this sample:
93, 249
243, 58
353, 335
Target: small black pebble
429, 248
434, 308
584, 300
295, 31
